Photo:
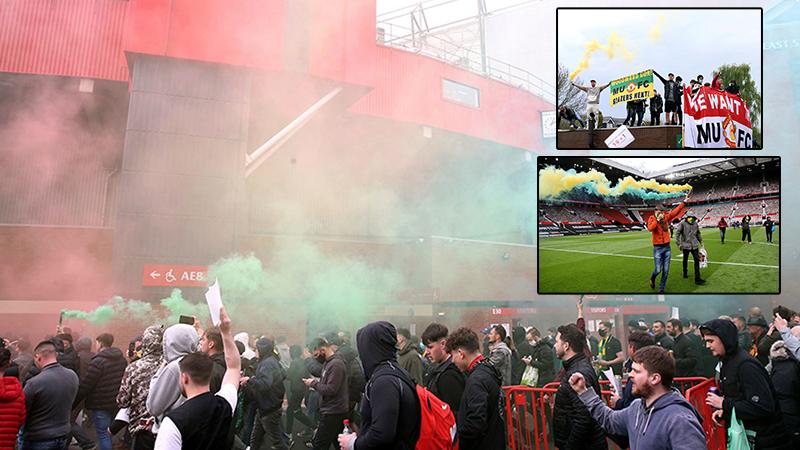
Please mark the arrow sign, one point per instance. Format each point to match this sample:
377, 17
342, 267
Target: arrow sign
174, 275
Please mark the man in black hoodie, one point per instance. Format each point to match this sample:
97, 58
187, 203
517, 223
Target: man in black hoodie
390, 414
268, 390
100, 387
69, 358
480, 423
332, 388
573, 427
445, 381
745, 386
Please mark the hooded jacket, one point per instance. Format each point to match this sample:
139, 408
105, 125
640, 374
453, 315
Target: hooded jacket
411, 361
669, 423
244, 338
542, 358
390, 409
355, 374
332, 386
100, 386
446, 382
573, 427
500, 356
746, 386
687, 358
660, 229
83, 347
785, 372
266, 386
165, 393
69, 359
480, 423
12, 410
688, 234
136, 381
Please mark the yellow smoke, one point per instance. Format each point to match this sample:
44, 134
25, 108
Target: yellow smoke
655, 31
615, 47
554, 182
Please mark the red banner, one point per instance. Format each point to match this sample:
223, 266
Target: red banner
715, 119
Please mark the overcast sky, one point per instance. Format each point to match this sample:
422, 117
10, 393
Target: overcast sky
650, 165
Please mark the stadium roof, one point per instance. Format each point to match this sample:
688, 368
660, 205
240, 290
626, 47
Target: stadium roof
682, 168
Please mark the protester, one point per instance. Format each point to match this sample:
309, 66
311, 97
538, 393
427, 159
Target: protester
445, 380
670, 100
297, 391
332, 388
658, 225
211, 345
83, 346
480, 425
165, 394
690, 240
355, 378
100, 387
282, 349
390, 411
542, 358
12, 403
678, 101
48, 401
499, 353
609, 349
135, 386
568, 114
722, 225
684, 352
630, 110
407, 357
23, 361
592, 100
784, 369
69, 357
745, 387
762, 340
769, 225
268, 390
639, 107
746, 230
660, 335
249, 354
573, 427
204, 420
743, 335
792, 342
656, 107
660, 418
637, 340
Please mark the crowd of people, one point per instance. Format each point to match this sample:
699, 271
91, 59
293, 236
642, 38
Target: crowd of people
188, 387
671, 104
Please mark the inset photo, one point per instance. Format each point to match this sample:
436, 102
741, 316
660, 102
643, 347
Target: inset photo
659, 225
659, 79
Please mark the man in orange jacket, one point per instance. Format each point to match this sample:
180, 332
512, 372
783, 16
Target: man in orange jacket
658, 225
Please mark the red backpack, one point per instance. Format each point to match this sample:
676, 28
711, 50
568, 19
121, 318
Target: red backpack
437, 428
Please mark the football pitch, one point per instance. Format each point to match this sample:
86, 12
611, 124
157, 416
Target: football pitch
622, 263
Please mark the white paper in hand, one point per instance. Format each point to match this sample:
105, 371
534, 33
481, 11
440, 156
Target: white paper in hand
609, 373
214, 300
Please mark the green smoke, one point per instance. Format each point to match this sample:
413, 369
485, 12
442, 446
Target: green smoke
176, 306
99, 316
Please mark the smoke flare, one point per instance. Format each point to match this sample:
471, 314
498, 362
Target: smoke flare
554, 182
613, 48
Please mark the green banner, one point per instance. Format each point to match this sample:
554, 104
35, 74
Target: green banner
638, 86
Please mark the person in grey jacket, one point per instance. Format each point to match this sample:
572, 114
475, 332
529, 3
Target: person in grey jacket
499, 353
661, 419
165, 390
689, 239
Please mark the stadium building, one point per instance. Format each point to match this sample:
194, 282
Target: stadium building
144, 137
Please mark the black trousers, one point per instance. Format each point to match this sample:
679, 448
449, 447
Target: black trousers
295, 411
655, 118
746, 233
330, 426
769, 234
696, 257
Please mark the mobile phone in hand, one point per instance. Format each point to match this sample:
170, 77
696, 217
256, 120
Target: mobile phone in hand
188, 320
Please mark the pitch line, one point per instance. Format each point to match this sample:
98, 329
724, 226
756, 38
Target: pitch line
650, 257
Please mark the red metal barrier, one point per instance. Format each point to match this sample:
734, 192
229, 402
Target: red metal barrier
715, 436
529, 413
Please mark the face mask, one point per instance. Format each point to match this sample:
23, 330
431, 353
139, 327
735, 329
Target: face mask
602, 333
321, 357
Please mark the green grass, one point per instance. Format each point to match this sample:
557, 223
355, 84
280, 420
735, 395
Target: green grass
562, 269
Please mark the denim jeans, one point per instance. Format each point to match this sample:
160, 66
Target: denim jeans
102, 420
661, 256
52, 444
